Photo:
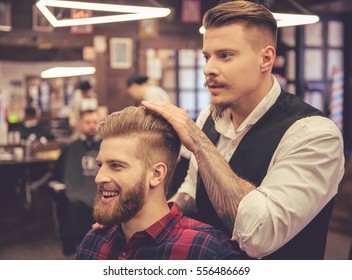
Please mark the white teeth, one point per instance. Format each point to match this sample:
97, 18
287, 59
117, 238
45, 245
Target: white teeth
109, 194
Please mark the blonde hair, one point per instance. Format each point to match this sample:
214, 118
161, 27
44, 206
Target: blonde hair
158, 140
250, 15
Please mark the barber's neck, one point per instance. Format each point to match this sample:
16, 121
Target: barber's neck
241, 110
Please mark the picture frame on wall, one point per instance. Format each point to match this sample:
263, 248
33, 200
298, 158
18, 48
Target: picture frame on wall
191, 11
5, 16
81, 29
40, 23
148, 28
121, 53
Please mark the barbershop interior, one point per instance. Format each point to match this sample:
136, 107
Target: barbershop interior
47, 55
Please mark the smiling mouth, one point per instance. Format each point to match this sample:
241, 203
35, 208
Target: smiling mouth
110, 194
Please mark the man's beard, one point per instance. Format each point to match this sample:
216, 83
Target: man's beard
217, 111
123, 208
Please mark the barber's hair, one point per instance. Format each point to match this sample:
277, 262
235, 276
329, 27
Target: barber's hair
250, 14
158, 141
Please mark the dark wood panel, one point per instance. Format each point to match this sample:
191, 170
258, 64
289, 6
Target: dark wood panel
28, 53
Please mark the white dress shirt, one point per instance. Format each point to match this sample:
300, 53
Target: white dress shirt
156, 93
302, 177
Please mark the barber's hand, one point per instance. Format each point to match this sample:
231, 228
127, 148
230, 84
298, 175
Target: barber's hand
97, 226
187, 130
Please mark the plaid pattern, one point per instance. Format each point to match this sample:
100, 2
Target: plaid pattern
174, 237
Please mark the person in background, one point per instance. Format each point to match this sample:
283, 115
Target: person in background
265, 166
140, 89
73, 181
136, 160
84, 98
32, 125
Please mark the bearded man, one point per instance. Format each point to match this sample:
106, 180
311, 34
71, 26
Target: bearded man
137, 157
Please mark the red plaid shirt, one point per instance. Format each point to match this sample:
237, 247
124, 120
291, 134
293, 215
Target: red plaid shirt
174, 237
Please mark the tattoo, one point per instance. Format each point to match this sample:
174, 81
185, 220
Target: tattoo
225, 189
187, 204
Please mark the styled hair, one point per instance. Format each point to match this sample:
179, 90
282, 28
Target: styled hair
250, 14
158, 141
136, 79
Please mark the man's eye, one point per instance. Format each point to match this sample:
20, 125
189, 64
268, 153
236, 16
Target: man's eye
115, 165
224, 55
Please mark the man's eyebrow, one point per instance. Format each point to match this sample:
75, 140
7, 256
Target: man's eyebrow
121, 162
227, 50
221, 51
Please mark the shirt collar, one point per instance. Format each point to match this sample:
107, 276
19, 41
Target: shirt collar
161, 229
158, 231
224, 125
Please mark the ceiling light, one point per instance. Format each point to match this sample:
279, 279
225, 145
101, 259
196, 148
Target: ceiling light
294, 19
5, 28
58, 72
202, 29
290, 13
126, 13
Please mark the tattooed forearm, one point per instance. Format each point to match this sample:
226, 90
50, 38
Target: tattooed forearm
225, 189
186, 203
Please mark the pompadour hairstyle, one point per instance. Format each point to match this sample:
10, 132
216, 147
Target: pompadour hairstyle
157, 138
250, 14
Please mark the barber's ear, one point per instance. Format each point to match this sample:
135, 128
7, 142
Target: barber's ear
159, 173
268, 58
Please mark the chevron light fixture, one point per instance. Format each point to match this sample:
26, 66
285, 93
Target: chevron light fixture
57, 72
126, 13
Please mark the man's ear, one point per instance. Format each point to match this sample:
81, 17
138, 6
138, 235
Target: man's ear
159, 173
268, 58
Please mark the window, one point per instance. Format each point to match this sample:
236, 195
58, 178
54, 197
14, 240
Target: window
183, 79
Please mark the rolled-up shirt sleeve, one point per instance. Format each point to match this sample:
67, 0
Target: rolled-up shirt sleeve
302, 178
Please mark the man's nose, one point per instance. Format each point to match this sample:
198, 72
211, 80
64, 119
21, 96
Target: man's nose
211, 68
102, 177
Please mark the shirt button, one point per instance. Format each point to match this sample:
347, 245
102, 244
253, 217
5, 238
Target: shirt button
124, 254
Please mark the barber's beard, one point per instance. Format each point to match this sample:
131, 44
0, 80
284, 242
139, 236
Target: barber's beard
125, 206
217, 111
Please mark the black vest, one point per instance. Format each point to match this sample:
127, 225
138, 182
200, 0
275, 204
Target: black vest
250, 161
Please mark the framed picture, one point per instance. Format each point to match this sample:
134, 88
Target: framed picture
5, 16
81, 29
148, 28
190, 11
40, 23
121, 53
